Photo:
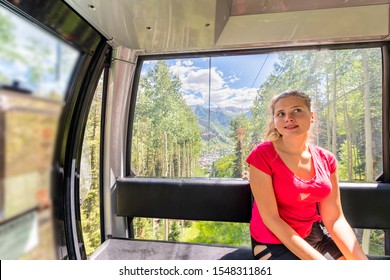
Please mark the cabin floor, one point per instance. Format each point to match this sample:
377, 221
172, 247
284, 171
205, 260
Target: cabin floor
129, 249
125, 249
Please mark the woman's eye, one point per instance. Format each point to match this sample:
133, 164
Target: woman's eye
280, 114
297, 110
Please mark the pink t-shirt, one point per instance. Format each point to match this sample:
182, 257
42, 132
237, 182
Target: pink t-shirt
297, 198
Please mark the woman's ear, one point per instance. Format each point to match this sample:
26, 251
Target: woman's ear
311, 117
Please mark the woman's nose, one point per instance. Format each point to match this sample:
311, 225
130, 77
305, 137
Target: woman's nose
289, 117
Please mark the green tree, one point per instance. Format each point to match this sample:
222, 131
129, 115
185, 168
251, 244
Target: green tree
7, 46
5, 36
174, 230
224, 167
239, 132
166, 140
89, 189
218, 233
166, 135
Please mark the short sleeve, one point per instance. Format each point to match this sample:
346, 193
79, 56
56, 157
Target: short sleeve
260, 158
328, 158
332, 163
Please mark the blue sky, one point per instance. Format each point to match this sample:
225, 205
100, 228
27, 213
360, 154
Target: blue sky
234, 79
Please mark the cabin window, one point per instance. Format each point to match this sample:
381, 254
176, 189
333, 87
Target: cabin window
201, 116
35, 70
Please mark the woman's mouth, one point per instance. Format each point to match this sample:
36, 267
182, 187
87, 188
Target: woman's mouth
291, 126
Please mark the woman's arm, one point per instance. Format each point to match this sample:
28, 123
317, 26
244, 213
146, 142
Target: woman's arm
336, 224
263, 192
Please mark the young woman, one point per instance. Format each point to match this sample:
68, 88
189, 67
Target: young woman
297, 212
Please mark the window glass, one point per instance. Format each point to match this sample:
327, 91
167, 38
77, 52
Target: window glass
35, 70
32, 61
200, 117
90, 173
226, 233
372, 241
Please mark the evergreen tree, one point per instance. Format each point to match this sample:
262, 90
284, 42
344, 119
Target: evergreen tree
166, 139
239, 127
89, 189
166, 135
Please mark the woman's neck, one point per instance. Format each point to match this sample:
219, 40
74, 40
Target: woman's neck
292, 146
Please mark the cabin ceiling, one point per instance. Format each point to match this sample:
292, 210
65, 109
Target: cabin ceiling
165, 26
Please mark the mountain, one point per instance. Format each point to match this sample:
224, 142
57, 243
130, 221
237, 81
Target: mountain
216, 138
218, 124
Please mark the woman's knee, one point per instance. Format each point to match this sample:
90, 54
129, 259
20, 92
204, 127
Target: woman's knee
261, 252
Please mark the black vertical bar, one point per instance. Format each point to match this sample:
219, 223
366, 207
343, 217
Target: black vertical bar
130, 226
106, 71
386, 126
2, 161
387, 242
386, 112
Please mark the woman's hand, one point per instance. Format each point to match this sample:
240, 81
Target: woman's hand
338, 227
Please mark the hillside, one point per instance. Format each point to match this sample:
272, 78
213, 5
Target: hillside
215, 136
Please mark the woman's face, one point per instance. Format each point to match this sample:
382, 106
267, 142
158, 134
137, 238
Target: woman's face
292, 117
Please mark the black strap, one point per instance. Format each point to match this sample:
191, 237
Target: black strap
261, 254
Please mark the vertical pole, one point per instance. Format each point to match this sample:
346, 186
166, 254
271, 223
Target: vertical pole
387, 242
2, 160
386, 112
386, 126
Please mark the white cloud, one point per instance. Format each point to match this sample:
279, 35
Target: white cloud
233, 79
193, 100
188, 63
195, 82
240, 98
197, 79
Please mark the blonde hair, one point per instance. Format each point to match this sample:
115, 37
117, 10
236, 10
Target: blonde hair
271, 133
